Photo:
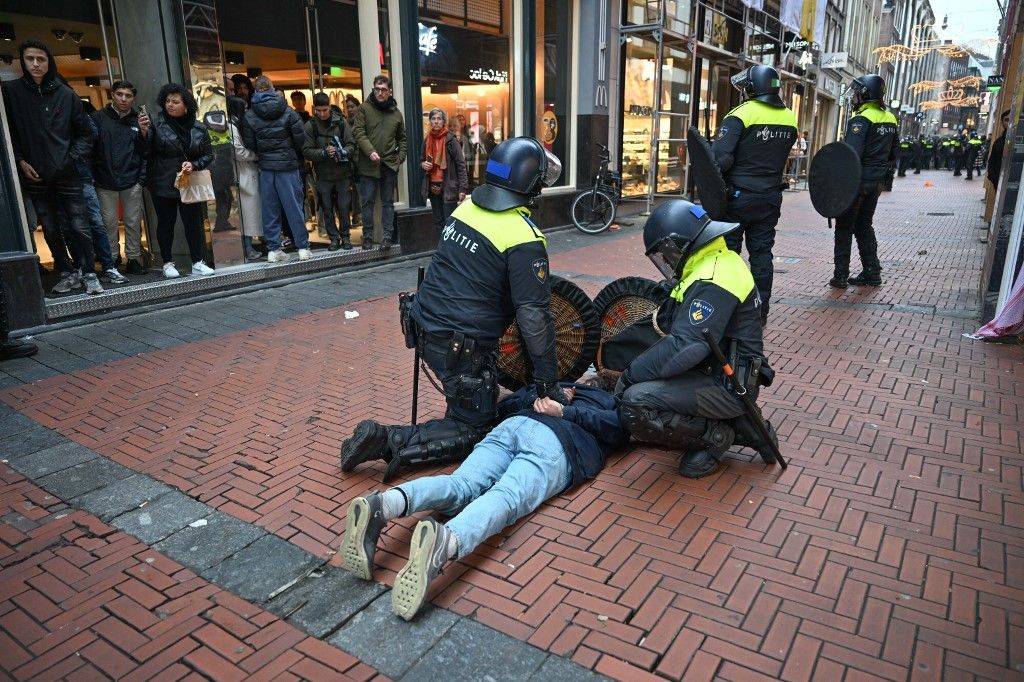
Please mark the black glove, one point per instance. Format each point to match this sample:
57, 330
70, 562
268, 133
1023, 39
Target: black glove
550, 389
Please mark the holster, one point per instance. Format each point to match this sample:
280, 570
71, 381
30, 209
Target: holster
405, 300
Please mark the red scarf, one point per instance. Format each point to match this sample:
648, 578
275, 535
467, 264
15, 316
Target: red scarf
435, 151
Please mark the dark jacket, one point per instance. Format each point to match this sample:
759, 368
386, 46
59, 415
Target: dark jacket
588, 430
49, 128
274, 131
381, 130
119, 155
995, 160
318, 135
753, 145
872, 132
456, 181
167, 153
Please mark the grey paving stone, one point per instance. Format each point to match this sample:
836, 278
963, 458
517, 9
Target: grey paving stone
69, 483
41, 462
388, 643
22, 436
203, 546
564, 670
325, 600
161, 517
471, 651
121, 496
262, 568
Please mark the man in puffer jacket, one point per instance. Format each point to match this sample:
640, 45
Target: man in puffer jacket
274, 132
379, 130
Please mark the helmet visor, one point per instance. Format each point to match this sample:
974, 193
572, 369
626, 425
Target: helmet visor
741, 81
552, 169
666, 256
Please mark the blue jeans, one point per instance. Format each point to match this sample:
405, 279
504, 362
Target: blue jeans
368, 195
282, 190
97, 228
507, 476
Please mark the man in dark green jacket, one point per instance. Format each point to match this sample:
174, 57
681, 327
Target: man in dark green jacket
333, 165
379, 131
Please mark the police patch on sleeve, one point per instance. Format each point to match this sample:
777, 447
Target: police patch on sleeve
700, 311
856, 128
540, 270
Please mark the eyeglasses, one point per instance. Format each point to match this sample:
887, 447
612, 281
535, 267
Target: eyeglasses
382, 88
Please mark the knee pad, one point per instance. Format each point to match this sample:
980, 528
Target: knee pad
667, 429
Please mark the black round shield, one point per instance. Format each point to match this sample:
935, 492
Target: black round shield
577, 332
620, 305
834, 179
711, 188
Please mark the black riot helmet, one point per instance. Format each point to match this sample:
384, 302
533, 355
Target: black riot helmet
760, 82
516, 172
868, 88
675, 230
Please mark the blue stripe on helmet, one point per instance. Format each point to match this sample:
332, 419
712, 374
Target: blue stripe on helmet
499, 169
698, 212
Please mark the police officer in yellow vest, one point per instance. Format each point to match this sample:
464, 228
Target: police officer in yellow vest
674, 394
490, 268
974, 146
872, 132
752, 148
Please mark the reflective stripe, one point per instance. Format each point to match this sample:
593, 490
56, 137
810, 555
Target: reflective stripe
753, 112
874, 112
503, 229
716, 263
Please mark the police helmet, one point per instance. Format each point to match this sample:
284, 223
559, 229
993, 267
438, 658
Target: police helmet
517, 170
675, 230
760, 82
868, 88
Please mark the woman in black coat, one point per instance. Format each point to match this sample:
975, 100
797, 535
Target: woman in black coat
179, 143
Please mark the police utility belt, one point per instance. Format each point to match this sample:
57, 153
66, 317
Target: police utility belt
456, 345
751, 372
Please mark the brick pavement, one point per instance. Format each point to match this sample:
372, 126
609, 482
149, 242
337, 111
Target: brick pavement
890, 549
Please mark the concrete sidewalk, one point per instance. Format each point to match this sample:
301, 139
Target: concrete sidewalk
171, 497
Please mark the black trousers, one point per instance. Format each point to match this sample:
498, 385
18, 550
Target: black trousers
52, 199
904, 163
471, 392
332, 199
857, 222
167, 210
694, 396
758, 214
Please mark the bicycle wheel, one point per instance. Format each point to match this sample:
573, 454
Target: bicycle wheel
593, 212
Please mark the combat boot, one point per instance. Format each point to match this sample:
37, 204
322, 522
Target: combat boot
442, 443
748, 435
716, 440
367, 443
869, 278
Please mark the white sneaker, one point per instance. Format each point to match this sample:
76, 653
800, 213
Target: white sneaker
305, 254
278, 256
170, 272
201, 268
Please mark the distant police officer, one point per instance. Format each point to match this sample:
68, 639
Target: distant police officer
906, 154
972, 155
872, 132
956, 148
753, 144
919, 149
674, 394
490, 268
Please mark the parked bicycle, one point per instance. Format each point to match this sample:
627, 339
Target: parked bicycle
594, 210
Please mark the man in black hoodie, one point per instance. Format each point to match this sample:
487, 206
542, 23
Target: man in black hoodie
49, 133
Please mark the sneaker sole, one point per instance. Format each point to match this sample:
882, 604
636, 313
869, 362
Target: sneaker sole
361, 440
410, 590
353, 556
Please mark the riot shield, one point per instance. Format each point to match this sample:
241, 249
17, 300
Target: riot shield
711, 187
833, 180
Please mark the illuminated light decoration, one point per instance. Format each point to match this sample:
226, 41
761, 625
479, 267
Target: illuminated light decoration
966, 82
906, 53
925, 86
941, 103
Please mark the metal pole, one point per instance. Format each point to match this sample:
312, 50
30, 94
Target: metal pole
416, 362
309, 44
652, 172
117, 38
319, 59
106, 48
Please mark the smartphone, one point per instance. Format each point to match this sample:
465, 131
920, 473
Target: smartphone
142, 108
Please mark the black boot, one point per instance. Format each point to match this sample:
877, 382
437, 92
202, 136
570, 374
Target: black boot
665, 429
449, 442
12, 349
367, 443
868, 278
747, 435
839, 282
716, 440
333, 245
346, 244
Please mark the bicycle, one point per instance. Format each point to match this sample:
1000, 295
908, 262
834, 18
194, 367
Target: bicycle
594, 210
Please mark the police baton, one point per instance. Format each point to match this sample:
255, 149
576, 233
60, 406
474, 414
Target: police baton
416, 360
748, 402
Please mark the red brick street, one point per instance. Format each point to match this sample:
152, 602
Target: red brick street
892, 548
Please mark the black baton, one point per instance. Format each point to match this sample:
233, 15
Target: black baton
748, 402
416, 360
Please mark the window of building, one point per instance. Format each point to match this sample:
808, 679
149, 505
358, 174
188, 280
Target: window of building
553, 86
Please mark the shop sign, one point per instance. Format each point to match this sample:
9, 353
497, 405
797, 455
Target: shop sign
797, 44
994, 83
835, 60
805, 59
488, 75
428, 40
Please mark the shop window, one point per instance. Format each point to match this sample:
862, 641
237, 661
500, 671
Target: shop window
553, 87
464, 70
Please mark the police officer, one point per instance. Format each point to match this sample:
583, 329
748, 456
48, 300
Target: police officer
490, 267
956, 148
872, 132
906, 153
674, 394
752, 147
918, 148
974, 146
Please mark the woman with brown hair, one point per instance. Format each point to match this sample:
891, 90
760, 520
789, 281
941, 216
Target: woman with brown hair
444, 182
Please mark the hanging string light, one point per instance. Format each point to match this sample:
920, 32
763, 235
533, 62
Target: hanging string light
965, 82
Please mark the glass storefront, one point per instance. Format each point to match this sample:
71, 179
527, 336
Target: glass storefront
553, 88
